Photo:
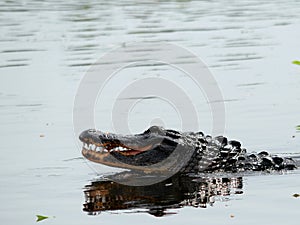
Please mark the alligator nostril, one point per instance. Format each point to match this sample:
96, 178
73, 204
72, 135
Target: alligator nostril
92, 131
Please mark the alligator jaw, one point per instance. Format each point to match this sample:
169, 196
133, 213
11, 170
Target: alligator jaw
106, 148
107, 159
99, 153
148, 151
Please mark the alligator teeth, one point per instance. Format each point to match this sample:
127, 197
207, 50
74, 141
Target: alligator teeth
92, 147
119, 149
89, 146
102, 149
123, 149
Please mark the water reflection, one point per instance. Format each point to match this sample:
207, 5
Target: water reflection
157, 199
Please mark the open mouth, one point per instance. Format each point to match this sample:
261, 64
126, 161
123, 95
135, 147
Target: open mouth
117, 148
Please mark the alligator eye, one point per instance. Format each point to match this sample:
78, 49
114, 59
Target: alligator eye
157, 130
91, 131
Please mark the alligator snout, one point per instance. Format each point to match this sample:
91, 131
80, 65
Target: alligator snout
85, 135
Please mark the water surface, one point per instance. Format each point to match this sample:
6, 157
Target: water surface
46, 48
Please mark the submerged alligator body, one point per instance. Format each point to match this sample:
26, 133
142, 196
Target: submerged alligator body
193, 152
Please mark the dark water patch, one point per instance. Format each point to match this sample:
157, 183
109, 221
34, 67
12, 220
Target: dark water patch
246, 54
80, 64
24, 35
76, 20
10, 24
83, 47
243, 44
240, 59
113, 28
32, 107
84, 30
80, 59
74, 159
175, 30
37, 6
157, 64
140, 50
251, 84
146, 65
88, 36
8, 40
225, 100
12, 10
17, 60
29, 105
22, 50
168, 31
217, 38
198, 45
14, 65
84, 7
237, 68
54, 175
149, 26
140, 98
282, 23
86, 52
224, 65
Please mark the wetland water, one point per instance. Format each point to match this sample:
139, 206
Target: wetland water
47, 47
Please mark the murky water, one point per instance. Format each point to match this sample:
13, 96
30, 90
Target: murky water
48, 46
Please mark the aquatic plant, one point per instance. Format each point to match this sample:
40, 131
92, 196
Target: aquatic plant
296, 62
40, 218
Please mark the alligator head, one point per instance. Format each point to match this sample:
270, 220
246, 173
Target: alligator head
131, 151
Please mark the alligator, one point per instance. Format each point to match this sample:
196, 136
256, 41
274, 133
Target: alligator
188, 152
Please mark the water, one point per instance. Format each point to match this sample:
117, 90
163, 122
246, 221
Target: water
48, 46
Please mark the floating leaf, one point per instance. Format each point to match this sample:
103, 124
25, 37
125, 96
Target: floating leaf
40, 218
296, 195
298, 128
296, 62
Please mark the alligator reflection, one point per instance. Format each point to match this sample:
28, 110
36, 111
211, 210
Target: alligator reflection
176, 192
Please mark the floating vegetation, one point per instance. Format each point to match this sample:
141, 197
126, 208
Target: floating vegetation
298, 128
296, 195
296, 62
40, 218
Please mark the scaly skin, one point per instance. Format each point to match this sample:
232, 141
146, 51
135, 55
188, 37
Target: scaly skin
159, 149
